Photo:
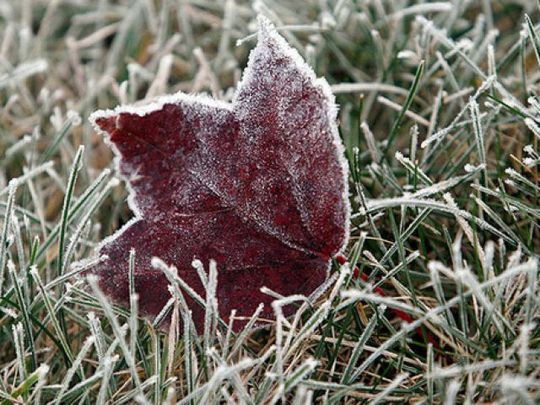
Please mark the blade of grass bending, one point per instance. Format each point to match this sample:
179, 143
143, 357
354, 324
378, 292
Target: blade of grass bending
380, 204
408, 101
83, 221
66, 276
54, 145
65, 208
509, 201
80, 203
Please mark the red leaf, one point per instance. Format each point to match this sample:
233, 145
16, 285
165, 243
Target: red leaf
259, 185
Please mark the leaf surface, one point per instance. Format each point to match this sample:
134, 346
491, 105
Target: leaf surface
259, 185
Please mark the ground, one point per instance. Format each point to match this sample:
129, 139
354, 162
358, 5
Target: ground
439, 113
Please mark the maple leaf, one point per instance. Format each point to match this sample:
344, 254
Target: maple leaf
259, 185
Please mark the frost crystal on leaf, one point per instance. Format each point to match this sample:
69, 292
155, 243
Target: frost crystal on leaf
259, 185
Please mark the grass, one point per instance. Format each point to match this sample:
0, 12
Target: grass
440, 115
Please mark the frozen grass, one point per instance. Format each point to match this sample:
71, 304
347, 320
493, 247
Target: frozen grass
441, 119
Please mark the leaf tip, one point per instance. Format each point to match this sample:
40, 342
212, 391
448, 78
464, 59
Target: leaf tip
103, 121
266, 28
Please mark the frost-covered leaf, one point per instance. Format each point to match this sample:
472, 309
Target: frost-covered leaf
258, 185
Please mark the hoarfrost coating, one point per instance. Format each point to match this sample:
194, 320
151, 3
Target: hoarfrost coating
259, 185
